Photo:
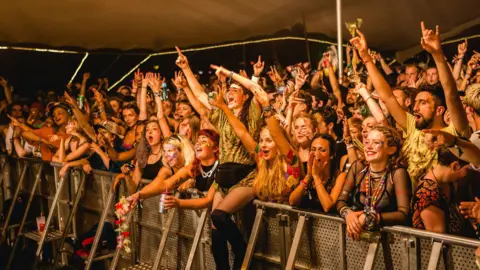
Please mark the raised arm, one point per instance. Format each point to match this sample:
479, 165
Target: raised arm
462, 50
372, 104
386, 68
237, 125
431, 43
273, 124
380, 84
155, 83
83, 88
197, 89
81, 118
334, 83
463, 149
182, 85
142, 100
7, 89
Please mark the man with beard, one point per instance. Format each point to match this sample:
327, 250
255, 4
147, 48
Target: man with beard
429, 105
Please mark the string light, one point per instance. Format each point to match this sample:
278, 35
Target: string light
130, 72
78, 68
38, 50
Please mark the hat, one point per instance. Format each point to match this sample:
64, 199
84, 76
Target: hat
111, 127
52, 105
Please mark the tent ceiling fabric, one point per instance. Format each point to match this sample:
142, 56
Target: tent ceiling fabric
157, 25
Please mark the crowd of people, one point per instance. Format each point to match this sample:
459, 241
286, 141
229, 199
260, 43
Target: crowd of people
384, 145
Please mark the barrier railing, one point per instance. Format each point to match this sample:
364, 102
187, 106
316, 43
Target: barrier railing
282, 237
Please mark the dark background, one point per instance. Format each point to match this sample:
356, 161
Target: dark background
30, 71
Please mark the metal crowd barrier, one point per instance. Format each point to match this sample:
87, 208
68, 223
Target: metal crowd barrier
319, 242
282, 237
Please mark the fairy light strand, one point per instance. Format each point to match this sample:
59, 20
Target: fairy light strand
130, 72
79, 67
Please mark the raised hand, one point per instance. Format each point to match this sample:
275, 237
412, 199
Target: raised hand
275, 76
361, 89
360, 43
179, 80
86, 76
3, 82
260, 95
98, 96
300, 79
462, 48
216, 99
430, 40
182, 61
258, 67
14, 121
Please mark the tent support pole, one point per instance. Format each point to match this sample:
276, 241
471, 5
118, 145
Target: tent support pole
339, 41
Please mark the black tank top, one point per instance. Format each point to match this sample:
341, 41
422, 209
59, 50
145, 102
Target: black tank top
204, 183
151, 170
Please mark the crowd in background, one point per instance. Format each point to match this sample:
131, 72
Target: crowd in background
384, 145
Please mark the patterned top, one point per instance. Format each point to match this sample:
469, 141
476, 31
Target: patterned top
230, 146
429, 193
420, 158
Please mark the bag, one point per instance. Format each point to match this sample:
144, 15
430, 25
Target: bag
230, 173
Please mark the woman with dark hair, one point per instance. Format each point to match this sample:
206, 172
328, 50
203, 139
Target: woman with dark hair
321, 193
378, 192
130, 114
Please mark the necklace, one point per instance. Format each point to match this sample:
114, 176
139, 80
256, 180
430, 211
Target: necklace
210, 172
156, 154
373, 194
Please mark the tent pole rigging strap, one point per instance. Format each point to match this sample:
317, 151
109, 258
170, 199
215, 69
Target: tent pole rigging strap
339, 41
79, 67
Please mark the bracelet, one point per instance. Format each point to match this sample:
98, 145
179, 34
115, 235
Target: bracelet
369, 97
304, 184
157, 94
230, 77
349, 146
267, 111
344, 211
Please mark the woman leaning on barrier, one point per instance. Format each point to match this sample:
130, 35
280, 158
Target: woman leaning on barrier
378, 192
177, 153
321, 186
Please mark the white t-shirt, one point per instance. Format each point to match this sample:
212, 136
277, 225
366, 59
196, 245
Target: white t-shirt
475, 139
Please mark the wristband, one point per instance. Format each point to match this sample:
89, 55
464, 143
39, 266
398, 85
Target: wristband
369, 97
230, 78
345, 211
157, 94
255, 79
267, 111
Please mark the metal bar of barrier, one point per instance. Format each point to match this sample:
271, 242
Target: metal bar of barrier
116, 256
445, 238
281, 235
78, 195
372, 254
59, 187
291, 209
163, 240
296, 243
4, 165
253, 238
196, 239
435, 255
342, 246
25, 215
14, 198
106, 209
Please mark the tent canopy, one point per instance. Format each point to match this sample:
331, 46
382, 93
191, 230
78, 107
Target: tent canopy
157, 25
